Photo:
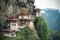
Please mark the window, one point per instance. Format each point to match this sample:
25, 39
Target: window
22, 22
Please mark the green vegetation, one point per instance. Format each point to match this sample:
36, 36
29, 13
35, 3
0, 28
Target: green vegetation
54, 35
1, 38
31, 34
41, 27
25, 34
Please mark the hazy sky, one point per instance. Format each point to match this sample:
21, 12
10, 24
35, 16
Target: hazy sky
47, 4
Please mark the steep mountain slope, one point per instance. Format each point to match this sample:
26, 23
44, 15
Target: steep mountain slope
52, 17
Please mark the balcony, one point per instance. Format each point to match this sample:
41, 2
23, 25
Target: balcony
26, 17
9, 34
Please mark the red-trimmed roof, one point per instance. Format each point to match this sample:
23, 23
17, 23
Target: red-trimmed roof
12, 19
5, 30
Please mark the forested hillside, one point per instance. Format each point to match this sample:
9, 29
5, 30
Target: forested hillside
52, 16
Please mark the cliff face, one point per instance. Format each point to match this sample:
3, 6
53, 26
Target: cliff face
10, 7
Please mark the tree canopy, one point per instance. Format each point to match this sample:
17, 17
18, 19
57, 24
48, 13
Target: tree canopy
41, 27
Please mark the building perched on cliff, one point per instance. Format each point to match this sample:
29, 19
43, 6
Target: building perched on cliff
23, 12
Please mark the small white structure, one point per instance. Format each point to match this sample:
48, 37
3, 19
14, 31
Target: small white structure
11, 27
14, 26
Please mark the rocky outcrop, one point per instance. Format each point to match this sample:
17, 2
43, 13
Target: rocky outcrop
10, 7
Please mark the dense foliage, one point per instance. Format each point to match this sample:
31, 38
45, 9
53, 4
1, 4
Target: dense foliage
25, 34
41, 27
